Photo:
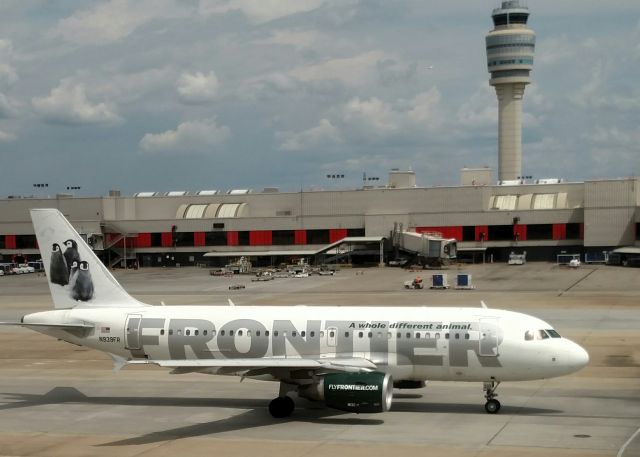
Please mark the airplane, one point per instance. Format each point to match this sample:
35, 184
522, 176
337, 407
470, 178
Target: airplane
349, 358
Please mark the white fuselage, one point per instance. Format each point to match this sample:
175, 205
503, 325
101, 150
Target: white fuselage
410, 343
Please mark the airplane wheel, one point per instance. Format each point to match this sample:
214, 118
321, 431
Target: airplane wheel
492, 406
281, 407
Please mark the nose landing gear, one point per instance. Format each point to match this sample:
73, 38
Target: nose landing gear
492, 406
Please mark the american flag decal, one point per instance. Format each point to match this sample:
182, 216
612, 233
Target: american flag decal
105, 329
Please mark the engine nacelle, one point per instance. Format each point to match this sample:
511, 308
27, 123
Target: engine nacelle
352, 392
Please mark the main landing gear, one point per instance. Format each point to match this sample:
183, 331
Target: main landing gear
281, 407
492, 406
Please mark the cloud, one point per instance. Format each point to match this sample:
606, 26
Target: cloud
188, 137
413, 118
371, 116
323, 133
114, 20
130, 87
352, 71
6, 137
598, 92
259, 11
392, 71
266, 86
480, 110
8, 73
7, 107
197, 87
299, 39
68, 104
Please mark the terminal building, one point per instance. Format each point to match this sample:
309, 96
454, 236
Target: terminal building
488, 221
545, 217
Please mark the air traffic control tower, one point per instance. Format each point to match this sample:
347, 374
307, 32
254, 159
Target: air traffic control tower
510, 47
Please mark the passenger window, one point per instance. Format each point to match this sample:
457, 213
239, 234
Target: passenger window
346, 334
437, 336
303, 333
408, 335
239, 332
388, 335
427, 336
195, 332
257, 332
418, 335
457, 336
204, 332
446, 336
275, 333
398, 335
466, 336
162, 332
370, 334
360, 334
332, 334
292, 334
221, 332
266, 333
187, 332
170, 331
312, 334
230, 332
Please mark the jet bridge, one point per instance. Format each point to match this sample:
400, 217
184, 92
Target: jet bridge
427, 248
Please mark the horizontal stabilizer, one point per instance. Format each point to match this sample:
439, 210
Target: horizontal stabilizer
74, 326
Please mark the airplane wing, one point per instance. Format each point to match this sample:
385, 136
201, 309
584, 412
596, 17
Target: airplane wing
275, 366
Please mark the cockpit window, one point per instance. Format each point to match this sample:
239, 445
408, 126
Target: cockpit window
530, 335
553, 333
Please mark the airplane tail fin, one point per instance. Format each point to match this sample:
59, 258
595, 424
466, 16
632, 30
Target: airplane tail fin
76, 276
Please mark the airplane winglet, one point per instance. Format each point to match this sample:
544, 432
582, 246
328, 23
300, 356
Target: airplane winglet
484, 305
231, 303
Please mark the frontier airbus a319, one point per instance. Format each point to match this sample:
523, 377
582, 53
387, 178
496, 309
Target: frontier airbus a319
349, 358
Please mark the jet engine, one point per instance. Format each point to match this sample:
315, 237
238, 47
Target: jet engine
352, 392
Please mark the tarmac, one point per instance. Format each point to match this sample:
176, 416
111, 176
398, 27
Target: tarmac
57, 399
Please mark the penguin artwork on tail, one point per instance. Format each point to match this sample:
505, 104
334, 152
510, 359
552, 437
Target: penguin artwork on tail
83, 284
71, 253
59, 272
73, 273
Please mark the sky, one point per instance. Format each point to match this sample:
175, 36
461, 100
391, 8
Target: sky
161, 95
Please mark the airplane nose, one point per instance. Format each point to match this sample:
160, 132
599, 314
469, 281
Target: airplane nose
577, 357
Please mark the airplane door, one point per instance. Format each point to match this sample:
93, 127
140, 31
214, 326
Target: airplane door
489, 336
132, 331
332, 336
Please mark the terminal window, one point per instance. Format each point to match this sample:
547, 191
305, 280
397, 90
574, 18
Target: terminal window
573, 231
540, 231
26, 242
